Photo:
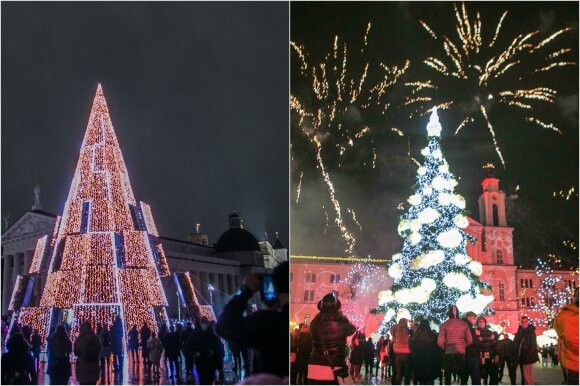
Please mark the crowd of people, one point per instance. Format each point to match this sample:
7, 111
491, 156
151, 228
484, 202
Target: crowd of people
464, 350
255, 341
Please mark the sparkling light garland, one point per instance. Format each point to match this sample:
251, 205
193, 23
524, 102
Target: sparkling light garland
39, 254
102, 265
434, 249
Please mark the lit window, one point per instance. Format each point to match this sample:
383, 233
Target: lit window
499, 256
501, 291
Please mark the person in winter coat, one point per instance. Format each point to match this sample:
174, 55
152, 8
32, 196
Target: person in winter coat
527, 349
17, 364
59, 368
155, 349
172, 351
454, 337
188, 356
329, 330
369, 357
145, 334
425, 355
356, 357
87, 348
487, 352
35, 345
402, 349
105, 337
384, 358
117, 333
133, 345
303, 349
264, 331
206, 347
566, 326
472, 366
507, 355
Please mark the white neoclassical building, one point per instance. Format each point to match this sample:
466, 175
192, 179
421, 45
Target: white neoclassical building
216, 270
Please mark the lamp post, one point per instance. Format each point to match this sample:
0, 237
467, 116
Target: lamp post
210, 288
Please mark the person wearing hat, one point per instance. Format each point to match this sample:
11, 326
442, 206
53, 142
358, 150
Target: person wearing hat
329, 330
454, 337
566, 326
488, 352
264, 331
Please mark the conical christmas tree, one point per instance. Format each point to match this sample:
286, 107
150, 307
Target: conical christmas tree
103, 260
433, 270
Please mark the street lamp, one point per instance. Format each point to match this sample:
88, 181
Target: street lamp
210, 288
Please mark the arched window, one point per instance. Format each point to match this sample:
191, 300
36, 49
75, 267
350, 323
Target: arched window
501, 292
495, 215
499, 256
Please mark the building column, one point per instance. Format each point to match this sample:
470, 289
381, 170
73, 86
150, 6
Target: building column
16, 271
28, 255
7, 282
202, 285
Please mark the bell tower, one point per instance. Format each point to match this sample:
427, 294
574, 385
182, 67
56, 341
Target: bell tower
492, 202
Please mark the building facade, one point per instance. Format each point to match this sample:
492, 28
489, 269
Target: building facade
515, 290
216, 269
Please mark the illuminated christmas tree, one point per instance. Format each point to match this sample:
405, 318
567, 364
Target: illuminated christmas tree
553, 294
433, 270
103, 260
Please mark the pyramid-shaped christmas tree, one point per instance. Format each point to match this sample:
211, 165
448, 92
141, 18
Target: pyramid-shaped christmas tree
104, 259
433, 270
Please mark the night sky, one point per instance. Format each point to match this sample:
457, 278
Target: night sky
198, 96
539, 160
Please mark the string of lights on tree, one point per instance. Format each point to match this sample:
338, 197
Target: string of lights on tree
104, 261
553, 293
433, 271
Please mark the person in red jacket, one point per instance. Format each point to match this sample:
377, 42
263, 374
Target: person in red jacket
566, 326
454, 337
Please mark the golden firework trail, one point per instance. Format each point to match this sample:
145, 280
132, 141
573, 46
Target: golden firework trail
472, 60
299, 187
337, 88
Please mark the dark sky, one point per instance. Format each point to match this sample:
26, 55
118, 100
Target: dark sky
538, 160
198, 95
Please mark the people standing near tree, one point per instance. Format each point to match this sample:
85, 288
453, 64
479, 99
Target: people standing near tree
155, 349
172, 351
544, 353
488, 352
425, 355
507, 355
59, 368
355, 358
49, 348
402, 349
377, 354
566, 326
133, 345
329, 330
185, 335
87, 348
206, 348
369, 357
35, 345
163, 331
454, 337
105, 355
264, 331
303, 349
117, 332
384, 358
145, 334
553, 354
17, 363
472, 368
527, 349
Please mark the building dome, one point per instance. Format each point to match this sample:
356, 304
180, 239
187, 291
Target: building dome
236, 238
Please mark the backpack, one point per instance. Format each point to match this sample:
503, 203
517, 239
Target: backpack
93, 351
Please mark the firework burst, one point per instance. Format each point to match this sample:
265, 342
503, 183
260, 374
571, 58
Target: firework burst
331, 111
484, 63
